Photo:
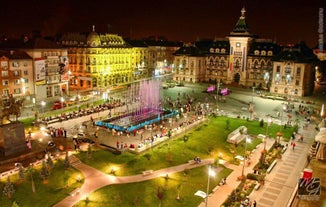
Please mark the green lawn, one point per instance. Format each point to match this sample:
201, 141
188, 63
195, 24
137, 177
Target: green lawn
206, 141
46, 194
145, 194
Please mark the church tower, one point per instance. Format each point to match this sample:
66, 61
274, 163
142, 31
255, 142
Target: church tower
239, 40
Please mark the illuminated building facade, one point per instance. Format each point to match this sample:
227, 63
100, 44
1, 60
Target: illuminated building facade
47, 74
16, 74
294, 71
239, 59
98, 61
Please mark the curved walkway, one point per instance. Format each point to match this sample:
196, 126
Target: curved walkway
95, 179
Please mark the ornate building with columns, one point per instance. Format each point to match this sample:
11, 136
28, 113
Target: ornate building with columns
241, 58
97, 61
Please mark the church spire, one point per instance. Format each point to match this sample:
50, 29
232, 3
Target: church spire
241, 28
243, 11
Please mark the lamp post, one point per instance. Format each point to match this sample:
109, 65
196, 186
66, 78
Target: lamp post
62, 100
247, 140
269, 120
43, 103
211, 173
282, 111
252, 97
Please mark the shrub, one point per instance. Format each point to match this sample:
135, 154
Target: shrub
252, 176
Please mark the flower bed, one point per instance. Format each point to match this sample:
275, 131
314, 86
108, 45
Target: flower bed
240, 193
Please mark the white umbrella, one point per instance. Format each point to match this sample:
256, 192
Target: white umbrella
321, 137
321, 124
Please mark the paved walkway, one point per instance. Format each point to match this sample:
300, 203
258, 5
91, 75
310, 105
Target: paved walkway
95, 179
280, 183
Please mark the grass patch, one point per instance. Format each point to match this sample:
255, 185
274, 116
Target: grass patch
145, 194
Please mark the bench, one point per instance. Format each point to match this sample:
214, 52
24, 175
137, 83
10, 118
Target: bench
111, 149
236, 137
284, 149
75, 192
215, 189
271, 166
147, 172
257, 186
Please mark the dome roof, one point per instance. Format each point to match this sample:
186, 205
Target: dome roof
93, 39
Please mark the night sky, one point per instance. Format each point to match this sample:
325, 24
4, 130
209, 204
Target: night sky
288, 21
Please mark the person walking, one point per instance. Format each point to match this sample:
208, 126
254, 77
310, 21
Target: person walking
293, 145
254, 204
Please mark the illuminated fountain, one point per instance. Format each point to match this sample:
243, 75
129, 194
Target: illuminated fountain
145, 108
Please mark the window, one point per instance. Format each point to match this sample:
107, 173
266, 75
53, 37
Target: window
298, 71
25, 64
25, 72
15, 64
270, 53
4, 65
256, 52
5, 92
24, 80
288, 69
4, 73
16, 73
297, 82
17, 91
278, 69
5, 82
17, 81
263, 52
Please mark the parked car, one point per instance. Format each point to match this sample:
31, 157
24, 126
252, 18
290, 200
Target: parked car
58, 105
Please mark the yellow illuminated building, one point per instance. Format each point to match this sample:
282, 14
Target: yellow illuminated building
97, 61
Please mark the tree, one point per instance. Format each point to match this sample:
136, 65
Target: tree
30, 171
8, 189
89, 151
179, 190
44, 171
49, 161
21, 172
227, 124
160, 195
251, 110
66, 161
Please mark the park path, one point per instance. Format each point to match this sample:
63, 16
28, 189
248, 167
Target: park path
95, 179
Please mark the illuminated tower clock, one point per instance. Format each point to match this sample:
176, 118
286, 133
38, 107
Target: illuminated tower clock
239, 40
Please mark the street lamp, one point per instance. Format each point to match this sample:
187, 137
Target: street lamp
248, 140
211, 173
43, 103
62, 100
252, 97
269, 121
282, 111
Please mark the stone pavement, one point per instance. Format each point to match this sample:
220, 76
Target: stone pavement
95, 179
218, 197
280, 183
